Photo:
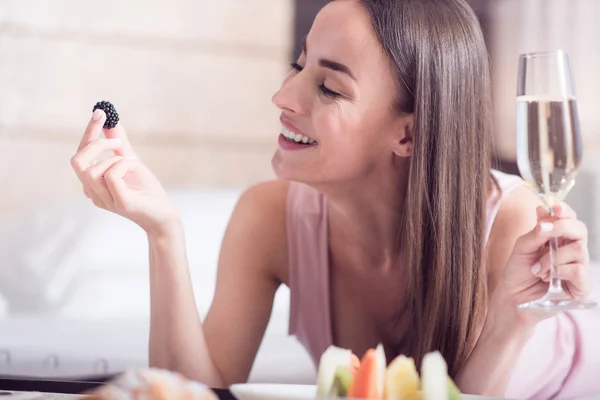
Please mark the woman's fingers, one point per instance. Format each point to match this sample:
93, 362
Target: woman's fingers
118, 189
85, 159
573, 252
574, 278
87, 156
118, 132
94, 177
568, 229
102, 180
563, 210
563, 226
93, 129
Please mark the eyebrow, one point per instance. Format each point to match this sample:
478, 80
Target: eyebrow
333, 65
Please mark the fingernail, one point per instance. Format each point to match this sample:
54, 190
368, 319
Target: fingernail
97, 114
546, 277
546, 227
558, 210
536, 269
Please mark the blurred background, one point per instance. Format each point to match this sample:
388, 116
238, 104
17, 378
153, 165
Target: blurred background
192, 81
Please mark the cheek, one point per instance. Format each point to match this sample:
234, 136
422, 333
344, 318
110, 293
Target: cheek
331, 123
345, 141
342, 128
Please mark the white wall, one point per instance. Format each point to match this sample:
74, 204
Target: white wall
521, 26
191, 79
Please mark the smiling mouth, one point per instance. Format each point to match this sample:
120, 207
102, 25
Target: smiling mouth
291, 136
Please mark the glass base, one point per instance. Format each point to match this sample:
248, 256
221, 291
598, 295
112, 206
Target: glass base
557, 302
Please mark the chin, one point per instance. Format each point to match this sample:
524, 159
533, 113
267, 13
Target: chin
288, 171
283, 170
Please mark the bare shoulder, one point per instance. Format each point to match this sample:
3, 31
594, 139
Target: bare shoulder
252, 259
262, 196
259, 220
517, 213
516, 216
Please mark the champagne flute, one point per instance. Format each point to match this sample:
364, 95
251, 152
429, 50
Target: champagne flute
549, 149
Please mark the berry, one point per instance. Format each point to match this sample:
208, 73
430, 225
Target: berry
112, 116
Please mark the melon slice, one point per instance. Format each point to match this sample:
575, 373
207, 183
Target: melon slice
453, 391
402, 380
341, 382
331, 359
434, 377
381, 368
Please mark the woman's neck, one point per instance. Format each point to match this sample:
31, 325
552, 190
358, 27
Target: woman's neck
365, 217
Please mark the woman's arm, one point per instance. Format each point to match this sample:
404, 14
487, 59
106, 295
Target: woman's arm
220, 351
492, 362
491, 365
507, 331
252, 263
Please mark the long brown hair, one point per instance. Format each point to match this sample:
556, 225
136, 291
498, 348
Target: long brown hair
438, 51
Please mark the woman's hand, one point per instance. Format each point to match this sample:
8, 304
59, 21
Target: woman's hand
121, 183
507, 330
527, 273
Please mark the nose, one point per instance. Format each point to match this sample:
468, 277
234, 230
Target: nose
292, 96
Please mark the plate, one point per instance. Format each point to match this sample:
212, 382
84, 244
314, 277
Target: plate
264, 391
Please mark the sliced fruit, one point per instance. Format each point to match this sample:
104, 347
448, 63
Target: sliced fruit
453, 392
381, 368
341, 382
331, 359
434, 377
366, 380
402, 380
354, 363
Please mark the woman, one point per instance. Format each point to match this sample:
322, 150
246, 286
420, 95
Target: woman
387, 221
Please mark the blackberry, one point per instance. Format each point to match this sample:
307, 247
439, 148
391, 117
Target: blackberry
112, 116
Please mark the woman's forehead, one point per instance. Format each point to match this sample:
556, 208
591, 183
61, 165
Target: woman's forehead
343, 31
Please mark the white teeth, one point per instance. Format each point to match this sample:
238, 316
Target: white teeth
286, 132
296, 136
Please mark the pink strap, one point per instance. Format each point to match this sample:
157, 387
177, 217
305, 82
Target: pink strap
308, 258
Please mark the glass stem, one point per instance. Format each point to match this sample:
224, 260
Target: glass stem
555, 283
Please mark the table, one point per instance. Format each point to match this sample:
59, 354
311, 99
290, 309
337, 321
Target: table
58, 389
37, 396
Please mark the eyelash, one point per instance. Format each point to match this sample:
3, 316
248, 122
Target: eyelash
326, 91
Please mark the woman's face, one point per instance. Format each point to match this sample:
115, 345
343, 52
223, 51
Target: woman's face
340, 97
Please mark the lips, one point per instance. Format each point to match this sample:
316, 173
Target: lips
291, 132
296, 137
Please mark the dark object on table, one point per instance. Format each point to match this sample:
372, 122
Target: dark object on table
112, 116
28, 384
66, 386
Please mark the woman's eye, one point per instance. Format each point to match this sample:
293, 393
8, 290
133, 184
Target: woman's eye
328, 92
324, 89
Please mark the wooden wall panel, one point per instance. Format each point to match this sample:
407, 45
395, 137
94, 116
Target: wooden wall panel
191, 79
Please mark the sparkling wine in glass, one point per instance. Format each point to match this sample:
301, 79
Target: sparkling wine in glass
549, 149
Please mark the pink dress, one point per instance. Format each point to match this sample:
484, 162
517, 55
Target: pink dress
560, 361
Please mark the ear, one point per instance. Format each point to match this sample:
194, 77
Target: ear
403, 138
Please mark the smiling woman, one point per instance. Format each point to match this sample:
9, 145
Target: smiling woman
386, 221
177, 108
